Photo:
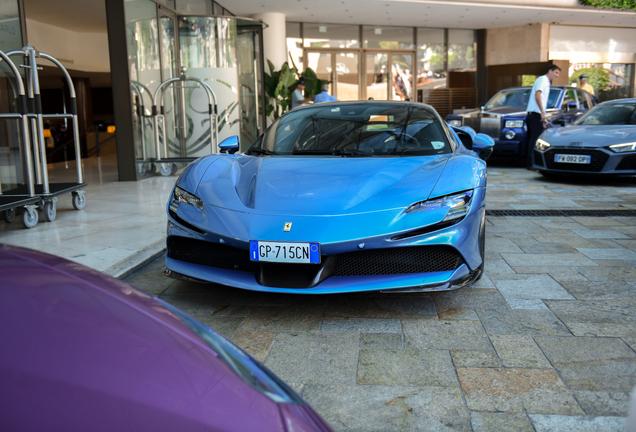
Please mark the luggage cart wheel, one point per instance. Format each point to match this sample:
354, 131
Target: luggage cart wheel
29, 217
8, 215
50, 210
141, 169
173, 169
165, 169
152, 169
79, 200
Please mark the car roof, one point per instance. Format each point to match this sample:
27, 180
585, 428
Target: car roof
405, 104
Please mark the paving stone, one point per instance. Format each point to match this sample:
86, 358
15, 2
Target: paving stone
498, 244
406, 367
558, 273
522, 322
363, 325
566, 239
500, 422
615, 262
231, 310
616, 311
602, 329
227, 326
150, 278
519, 351
519, 227
468, 298
591, 363
284, 318
603, 274
603, 403
599, 234
535, 287
385, 307
629, 244
529, 245
535, 260
516, 390
522, 304
445, 334
631, 341
457, 314
381, 341
494, 267
475, 358
604, 254
389, 408
255, 343
483, 282
561, 423
314, 357
596, 221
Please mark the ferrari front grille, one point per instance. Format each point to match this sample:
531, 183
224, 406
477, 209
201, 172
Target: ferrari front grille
402, 260
210, 254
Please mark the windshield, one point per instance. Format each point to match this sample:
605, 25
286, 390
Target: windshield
360, 129
622, 113
518, 98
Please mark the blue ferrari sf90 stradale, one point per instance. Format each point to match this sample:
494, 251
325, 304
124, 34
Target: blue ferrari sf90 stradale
336, 197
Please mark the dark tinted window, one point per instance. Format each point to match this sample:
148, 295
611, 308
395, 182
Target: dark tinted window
622, 113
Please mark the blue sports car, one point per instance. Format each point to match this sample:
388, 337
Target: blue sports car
336, 197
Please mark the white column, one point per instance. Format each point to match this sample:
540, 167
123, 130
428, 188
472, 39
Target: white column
274, 38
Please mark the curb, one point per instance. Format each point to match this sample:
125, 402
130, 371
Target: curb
130, 265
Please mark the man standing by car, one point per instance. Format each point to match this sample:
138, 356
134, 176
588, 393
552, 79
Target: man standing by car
297, 96
536, 120
585, 86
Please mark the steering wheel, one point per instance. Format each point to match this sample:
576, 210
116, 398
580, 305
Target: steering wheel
398, 139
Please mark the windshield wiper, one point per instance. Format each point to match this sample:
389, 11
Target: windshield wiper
350, 152
261, 151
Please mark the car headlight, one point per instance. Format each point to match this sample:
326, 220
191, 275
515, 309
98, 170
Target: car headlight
542, 145
513, 123
620, 148
457, 204
456, 123
181, 196
246, 368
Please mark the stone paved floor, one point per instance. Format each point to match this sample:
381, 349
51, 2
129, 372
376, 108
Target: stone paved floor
543, 342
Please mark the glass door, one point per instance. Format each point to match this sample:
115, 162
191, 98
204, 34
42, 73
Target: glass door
347, 76
175, 119
401, 77
250, 86
322, 64
377, 76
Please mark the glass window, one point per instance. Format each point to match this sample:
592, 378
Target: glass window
10, 34
331, 35
431, 58
195, 7
461, 50
615, 113
294, 45
388, 37
568, 98
169, 3
583, 102
198, 42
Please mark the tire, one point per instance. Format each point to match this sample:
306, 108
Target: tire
482, 249
174, 169
29, 218
152, 168
141, 170
50, 211
8, 215
79, 201
165, 169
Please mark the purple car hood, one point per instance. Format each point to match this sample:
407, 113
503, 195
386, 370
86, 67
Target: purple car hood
313, 184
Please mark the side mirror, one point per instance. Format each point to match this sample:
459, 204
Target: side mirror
483, 145
467, 135
229, 145
560, 121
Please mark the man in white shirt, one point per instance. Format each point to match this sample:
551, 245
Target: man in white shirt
297, 96
536, 120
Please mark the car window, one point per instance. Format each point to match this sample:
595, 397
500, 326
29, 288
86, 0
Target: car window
362, 129
567, 98
621, 113
583, 100
510, 98
554, 97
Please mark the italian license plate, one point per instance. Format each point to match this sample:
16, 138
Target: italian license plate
285, 252
577, 159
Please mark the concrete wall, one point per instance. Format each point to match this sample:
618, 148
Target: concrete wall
76, 50
520, 44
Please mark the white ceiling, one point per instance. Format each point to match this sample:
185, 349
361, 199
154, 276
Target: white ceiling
90, 15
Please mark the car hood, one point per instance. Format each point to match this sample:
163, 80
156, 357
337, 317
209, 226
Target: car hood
311, 184
505, 111
590, 135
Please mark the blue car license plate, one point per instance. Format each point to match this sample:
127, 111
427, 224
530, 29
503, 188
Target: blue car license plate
285, 252
570, 158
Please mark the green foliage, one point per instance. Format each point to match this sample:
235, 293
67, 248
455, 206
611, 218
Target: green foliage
596, 77
280, 84
610, 4
528, 80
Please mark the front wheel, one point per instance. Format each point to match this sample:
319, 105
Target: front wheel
79, 201
50, 211
8, 215
29, 217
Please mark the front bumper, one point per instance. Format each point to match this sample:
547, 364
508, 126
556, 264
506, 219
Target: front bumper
462, 239
603, 161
